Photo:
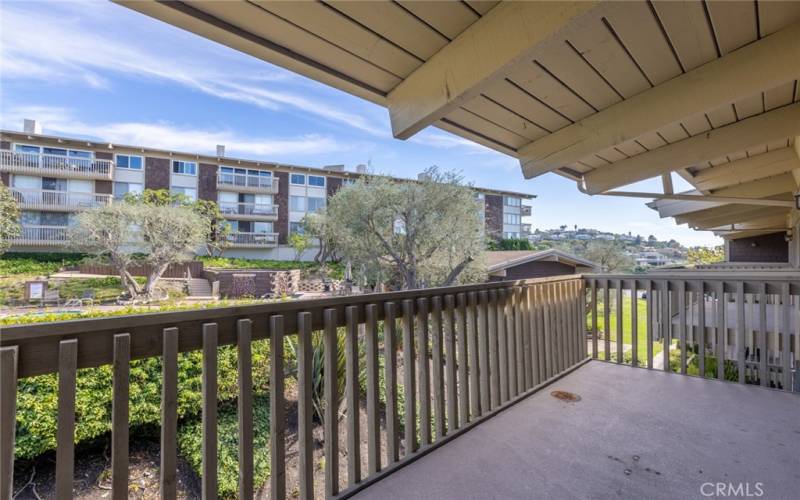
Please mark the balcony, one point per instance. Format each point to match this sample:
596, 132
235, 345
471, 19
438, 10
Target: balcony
244, 183
252, 240
503, 388
525, 210
42, 199
41, 236
249, 211
55, 166
525, 230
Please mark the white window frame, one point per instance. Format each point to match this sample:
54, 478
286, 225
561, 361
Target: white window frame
172, 190
172, 168
305, 203
308, 181
291, 181
129, 157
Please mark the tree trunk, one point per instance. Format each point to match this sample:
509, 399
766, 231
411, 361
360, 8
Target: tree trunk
152, 278
456, 271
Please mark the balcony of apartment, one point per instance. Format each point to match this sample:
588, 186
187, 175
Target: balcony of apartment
249, 211
525, 230
35, 235
246, 183
55, 166
505, 389
239, 239
58, 201
525, 210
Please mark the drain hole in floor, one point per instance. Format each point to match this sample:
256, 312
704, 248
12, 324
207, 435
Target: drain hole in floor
566, 396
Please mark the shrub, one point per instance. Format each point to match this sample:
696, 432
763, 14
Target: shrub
12, 263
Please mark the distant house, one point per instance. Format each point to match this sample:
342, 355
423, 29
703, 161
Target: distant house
524, 264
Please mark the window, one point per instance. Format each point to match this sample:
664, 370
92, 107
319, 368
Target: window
298, 179
24, 148
184, 167
315, 204
123, 188
348, 182
190, 193
316, 180
130, 161
510, 201
297, 203
54, 219
296, 227
511, 218
52, 184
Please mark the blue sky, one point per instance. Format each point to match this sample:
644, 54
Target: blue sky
97, 70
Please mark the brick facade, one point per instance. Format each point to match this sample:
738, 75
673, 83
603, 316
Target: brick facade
104, 155
494, 216
207, 182
156, 173
281, 226
765, 248
5, 144
5, 178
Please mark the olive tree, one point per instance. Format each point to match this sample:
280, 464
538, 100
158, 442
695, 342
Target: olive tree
132, 231
9, 218
426, 233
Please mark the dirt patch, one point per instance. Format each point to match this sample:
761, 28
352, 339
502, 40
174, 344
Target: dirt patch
568, 397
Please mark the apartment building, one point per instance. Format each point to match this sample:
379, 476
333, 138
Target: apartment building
53, 178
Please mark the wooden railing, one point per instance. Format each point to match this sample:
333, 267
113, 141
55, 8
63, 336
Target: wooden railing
58, 165
49, 199
460, 354
738, 327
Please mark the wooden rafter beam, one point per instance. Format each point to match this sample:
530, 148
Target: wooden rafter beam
508, 34
764, 64
755, 215
693, 198
779, 161
751, 132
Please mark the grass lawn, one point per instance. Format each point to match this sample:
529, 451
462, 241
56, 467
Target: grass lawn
626, 325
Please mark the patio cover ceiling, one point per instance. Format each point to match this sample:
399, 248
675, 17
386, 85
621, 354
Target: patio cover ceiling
605, 93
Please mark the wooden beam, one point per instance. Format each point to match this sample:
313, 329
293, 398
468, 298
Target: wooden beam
751, 132
771, 186
745, 233
737, 218
779, 161
666, 183
713, 213
761, 65
508, 34
692, 198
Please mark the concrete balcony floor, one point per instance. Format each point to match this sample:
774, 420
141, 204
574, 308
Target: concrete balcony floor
635, 433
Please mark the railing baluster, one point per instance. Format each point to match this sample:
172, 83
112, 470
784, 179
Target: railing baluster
594, 318
740, 332
245, 407
682, 324
607, 319
119, 416
786, 353
649, 332
423, 365
277, 427
502, 345
483, 351
65, 435
634, 322
331, 395
562, 326
450, 360
547, 303
352, 395
305, 407
409, 378
618, 322
762, 351
536, 332
666, 325
209, 415
511, 342
473, 320
463, 382
169, 414
9, 358
577, 328
526, 337
494, 362
518, 334
438, 367
373, 417
721, 329
701, 330
390, 367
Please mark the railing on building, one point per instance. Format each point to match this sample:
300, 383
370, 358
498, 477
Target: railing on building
41, 235
43, 199
253, 240
250, 210
55, 165
467, 352
525, 210
248, 183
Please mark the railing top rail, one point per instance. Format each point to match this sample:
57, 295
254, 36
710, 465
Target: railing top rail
39, 342
774, 275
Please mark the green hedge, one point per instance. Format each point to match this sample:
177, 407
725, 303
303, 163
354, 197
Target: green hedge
12, 263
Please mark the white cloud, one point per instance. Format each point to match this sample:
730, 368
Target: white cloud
165, 135
448, 141
59, 44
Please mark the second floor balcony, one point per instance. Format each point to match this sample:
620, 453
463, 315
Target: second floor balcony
247, 183
240, 239
43, 199
55, 165
525, 210
249, 211
35, 235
